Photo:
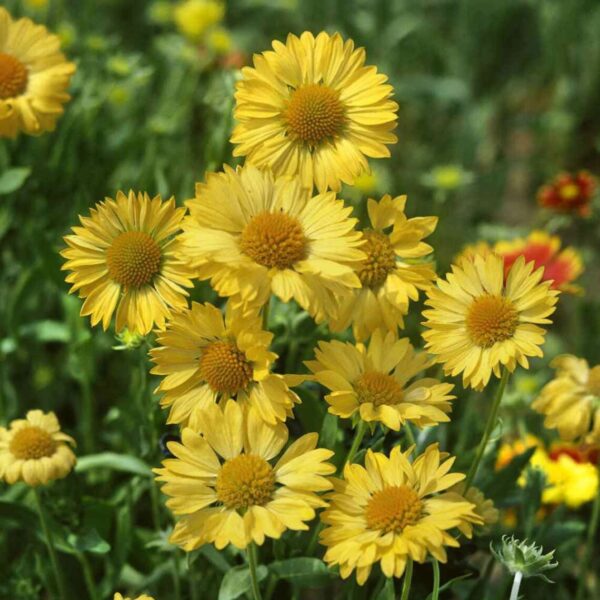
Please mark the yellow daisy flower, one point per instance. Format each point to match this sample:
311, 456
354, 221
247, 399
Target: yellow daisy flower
391, 511
478, 322
205, 357
374, 381
118, 596
311, 107
571, 401
390, 276
254, 235
35, 450
225, 489
123, 259
34, 77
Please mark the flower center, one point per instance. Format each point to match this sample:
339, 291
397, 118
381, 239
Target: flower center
13, 76
225, 368
314, 114
593, 384
491, 319
246, 480
380, 262
274, 240
393, 508
32, 443
570, 191
378, 389
133, 259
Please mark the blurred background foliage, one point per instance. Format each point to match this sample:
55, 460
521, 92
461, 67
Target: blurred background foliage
495, 98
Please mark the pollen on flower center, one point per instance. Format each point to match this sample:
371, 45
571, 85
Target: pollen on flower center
378, 388
314, 114
225, 368
569, 191
274, 240
13, 76
393, 508
133, 259
380, 261
32, 443
246, 480
491, 319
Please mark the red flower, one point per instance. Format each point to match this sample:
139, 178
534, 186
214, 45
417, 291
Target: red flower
569, 193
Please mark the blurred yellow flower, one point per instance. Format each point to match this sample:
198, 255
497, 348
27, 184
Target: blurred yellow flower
224, 488
470, 251
36, 4
447, 177
35, 450
219, 40
34, 77
161, 12
366, 182
118, 596
194, 17
67, 34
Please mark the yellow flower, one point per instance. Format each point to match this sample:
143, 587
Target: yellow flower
224, 488
391, 511
470, 251
194, 17
373, 381
311, 107
478, 322
35, 450
390, 275
34, 76
571, 401
254, 235
219, 40
447, 177
123, 259
205, 358
367, 181
484, 507
118, 596
36, 4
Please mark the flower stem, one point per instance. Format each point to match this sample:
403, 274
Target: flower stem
436, 580
514, 592
87, 575
251, 553
489, 427
50, 544
361, 429
407, 580
410, 436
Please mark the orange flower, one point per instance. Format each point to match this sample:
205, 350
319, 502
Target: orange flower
569, 193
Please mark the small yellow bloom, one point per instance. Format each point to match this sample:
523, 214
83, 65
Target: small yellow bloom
160, 12
194, 17
448, 177
118, 596
35, 450
36, 4
219, 40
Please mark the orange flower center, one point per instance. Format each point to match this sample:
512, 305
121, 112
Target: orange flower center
380, 261
314, 114
570, 191
491, 319
274, 240
378, 388
133, 259
246, 480
13, 76
32, 443
393, 508
225, 368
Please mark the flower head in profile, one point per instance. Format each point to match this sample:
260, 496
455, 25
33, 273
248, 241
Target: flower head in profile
569, 193
34, 77
380, 382
310, 107
480, 321
35, 450
571, 401
205, 357
393, 272
123, 259
391, 511
225, 489
254, 235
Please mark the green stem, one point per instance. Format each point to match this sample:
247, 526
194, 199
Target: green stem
514, 592
50, 544
251, 554
436, 580
489, 427
176, 579
87, 575
409, 434
361, 429
407, 580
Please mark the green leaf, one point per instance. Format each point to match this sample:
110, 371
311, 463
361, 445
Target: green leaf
304, 572
115, 462
388, 592
450, 583
237, 582
12, 179
329, 431
503, 481
216, 558
47, 331
89, 541
11, 511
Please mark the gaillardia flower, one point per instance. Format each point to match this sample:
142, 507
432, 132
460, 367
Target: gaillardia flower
478, 321
374, 382
392, 274
35, 450
391, 511
253, 234
204, 358
123, 258
569, 193
118, 596
571, 401
34, 77
310, 107
224, 488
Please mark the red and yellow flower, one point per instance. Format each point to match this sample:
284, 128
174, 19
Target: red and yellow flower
569, 193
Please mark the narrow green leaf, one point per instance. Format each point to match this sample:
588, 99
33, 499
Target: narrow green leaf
89, 541
12, 179
115, 462
304, 572
451, 582
388, 592
237, 582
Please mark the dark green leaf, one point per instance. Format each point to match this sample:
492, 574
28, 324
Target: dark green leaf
305, 572
388, 592
89, 541
450, 583
237, 582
